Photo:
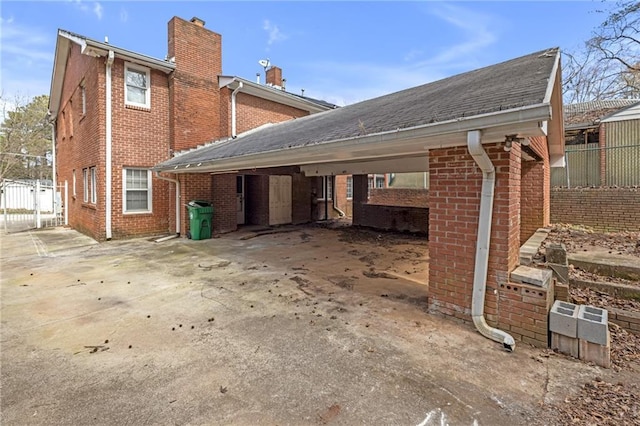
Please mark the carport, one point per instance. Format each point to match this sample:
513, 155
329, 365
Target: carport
487, 139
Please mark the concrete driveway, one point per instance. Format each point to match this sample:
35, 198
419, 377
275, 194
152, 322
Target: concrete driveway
307, 326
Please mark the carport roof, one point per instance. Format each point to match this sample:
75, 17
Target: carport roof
513, 97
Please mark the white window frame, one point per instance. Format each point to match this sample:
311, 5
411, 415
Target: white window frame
349, 187
323, 190
73, 175
94, 185
149, 191
85, 181
137, 68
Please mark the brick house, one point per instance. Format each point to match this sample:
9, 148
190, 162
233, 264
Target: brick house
487, 139
118, 113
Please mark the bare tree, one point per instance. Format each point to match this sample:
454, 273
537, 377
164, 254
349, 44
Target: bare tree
25, 140
609, 65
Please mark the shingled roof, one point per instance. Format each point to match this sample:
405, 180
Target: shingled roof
590, 113
509, 86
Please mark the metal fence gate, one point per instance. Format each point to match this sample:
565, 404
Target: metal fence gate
31, 204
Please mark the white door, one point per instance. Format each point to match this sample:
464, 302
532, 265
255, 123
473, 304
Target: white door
240, 198
279, 200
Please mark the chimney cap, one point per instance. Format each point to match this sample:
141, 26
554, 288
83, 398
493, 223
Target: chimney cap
199, 22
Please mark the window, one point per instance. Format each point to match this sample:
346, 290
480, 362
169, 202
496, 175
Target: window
137, 86
137, 191
94, 187
85, 182
326, 192
349, 187
74, 183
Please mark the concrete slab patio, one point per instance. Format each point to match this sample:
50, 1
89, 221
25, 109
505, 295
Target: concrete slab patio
310, 326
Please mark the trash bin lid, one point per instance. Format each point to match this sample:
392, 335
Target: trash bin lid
199, 203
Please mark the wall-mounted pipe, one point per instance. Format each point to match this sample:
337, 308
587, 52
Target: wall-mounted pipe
334, 197
483, 161
107, 162
233, 110
177, 184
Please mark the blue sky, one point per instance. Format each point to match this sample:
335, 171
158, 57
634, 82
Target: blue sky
342, 52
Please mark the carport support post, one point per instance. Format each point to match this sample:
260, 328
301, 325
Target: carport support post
455, 183
360, 197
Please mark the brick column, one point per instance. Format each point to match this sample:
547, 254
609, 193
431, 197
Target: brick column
535, 211
223, 197
360, 197
454, 193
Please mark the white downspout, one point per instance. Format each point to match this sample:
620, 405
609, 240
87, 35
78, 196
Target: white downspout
177, 183
54, 180
233, 109
483, 161
107, 180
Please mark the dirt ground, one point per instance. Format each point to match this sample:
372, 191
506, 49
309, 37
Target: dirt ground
301, 327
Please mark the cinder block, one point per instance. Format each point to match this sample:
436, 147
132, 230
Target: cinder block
596, 353
593, 324
556, 253
565, 344
563, 319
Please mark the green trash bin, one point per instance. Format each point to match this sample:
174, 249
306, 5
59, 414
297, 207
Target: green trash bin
200, 214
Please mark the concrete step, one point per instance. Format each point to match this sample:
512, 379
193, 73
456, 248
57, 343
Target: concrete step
602, 262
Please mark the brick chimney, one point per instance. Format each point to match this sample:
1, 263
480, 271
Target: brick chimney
194, 95
274, 76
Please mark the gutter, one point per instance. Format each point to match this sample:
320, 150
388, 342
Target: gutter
233, 110
483, 161
107, 180
177, 183
309, 154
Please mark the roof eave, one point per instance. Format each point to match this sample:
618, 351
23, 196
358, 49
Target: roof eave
524, 122
95, 49
271, 94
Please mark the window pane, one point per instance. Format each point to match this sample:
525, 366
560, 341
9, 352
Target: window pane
137, 95
137, 190
136, 78
349, 187
137, 200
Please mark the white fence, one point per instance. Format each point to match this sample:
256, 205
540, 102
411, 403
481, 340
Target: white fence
28, 204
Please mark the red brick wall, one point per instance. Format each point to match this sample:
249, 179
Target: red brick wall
79, 138
140, 139
252, 112
604, 209
536, 187
389, 217
194, 93
343, 203
454, 203
408, 197
223, 199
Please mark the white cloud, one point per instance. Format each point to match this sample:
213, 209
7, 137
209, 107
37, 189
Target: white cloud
97, 10
27, 56
91, 7
124, 15
274, 33
347, 82
475, 26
